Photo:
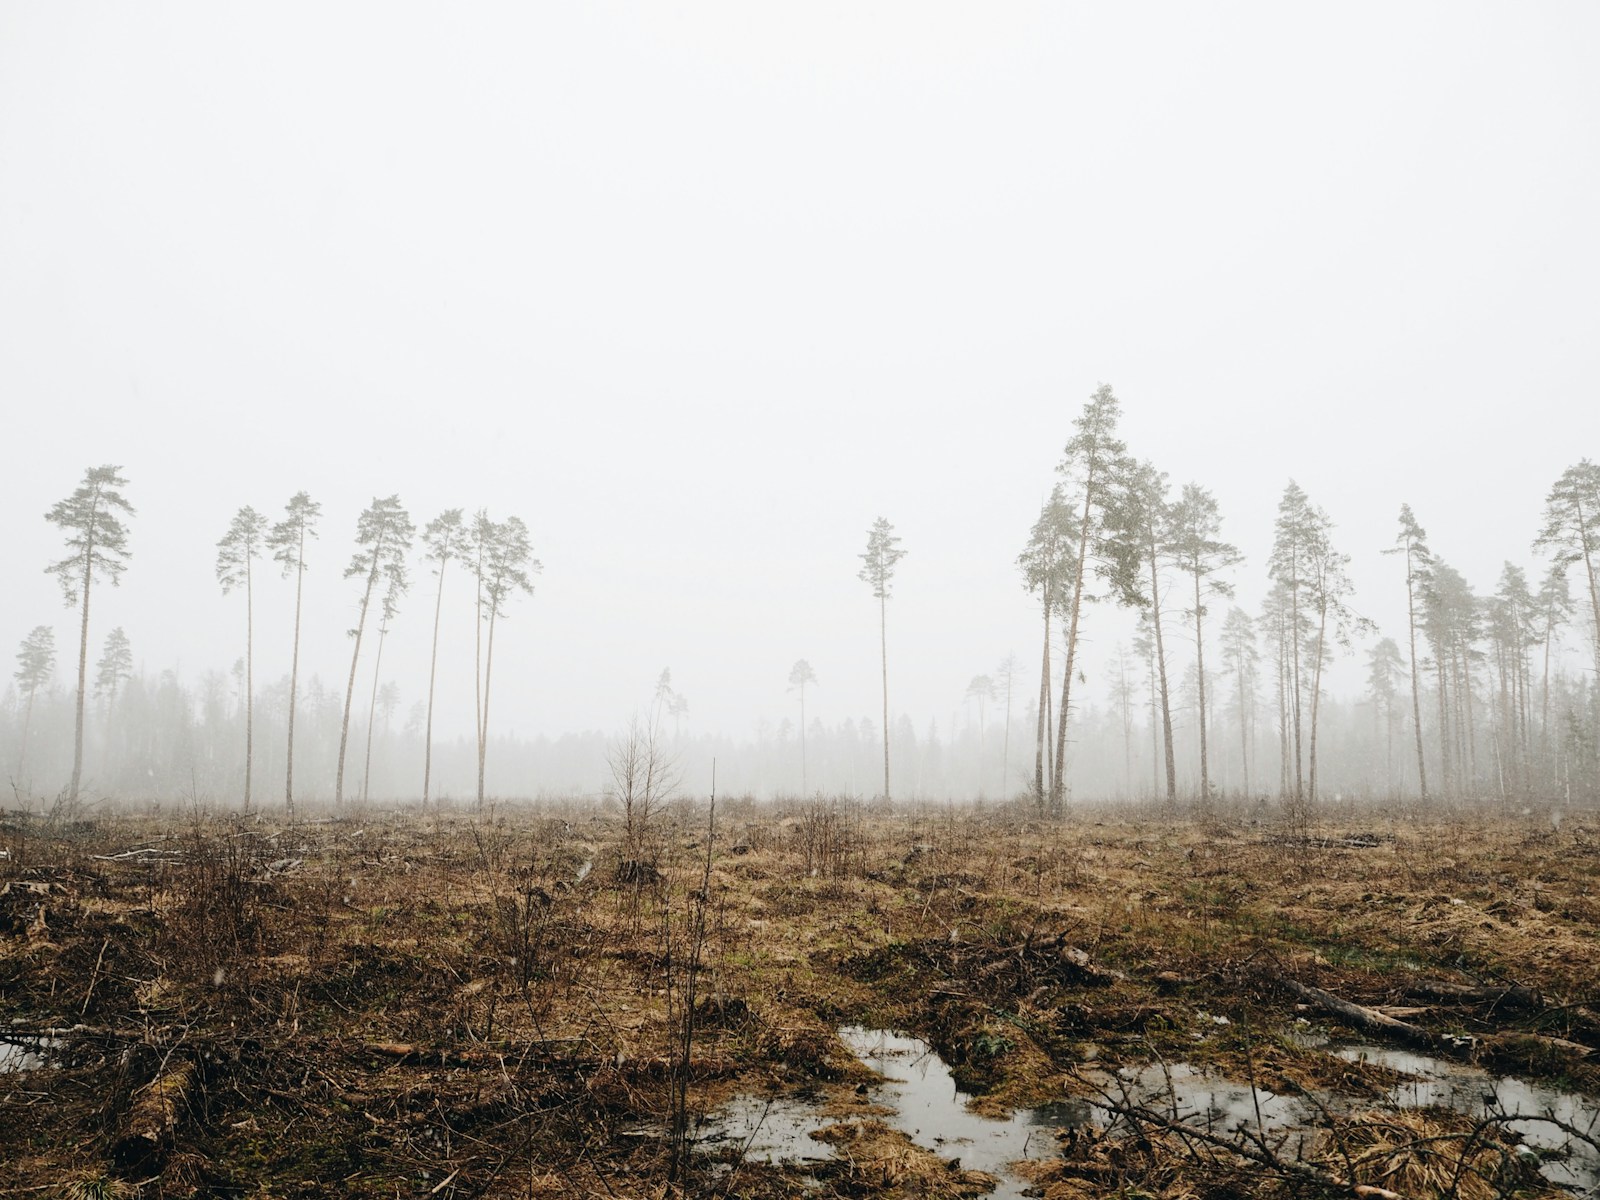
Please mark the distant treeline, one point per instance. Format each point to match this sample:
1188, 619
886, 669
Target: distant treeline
1475, 697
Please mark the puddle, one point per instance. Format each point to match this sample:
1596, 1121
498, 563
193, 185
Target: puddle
928, 1108
25, 1053
1211, 1102
1440, 1083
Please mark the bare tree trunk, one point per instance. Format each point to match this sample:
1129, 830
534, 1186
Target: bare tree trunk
483, 735
294, 673
433, 672
477, 661
1594, 594
350, 688
1416, 684
372, 709
805, 788
883, 645
83, 668
1544, 697
1041, 752
1161, 670
1005, 742
1316, 697
1058, 790
249, 682
1244, 731
1200, 675
22, 756
1294, 678
1466, 691
1446, 774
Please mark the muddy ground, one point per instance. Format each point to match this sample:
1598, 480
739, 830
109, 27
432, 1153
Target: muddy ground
517, 1004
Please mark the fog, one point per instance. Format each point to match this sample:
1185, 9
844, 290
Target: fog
700, 293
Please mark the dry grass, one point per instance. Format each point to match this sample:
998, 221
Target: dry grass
403, 1003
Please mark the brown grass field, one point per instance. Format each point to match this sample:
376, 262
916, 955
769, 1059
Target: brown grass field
417, 1004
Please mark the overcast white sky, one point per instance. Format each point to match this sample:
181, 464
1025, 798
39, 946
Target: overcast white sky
699, 291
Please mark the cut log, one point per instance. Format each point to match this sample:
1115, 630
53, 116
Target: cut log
1462, 993
1368, 1018
153, 1120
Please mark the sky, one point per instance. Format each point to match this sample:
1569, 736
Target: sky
699, 291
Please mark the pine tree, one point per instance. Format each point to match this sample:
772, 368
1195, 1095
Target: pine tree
508, 568
36, 662
1384, 666
113, 670
1412, 542
288, 543
1047, 571
236, 554
1094, 464
383, 539
1195, 525
1571, 534
801, 676
445, 539
877, 571
1241, 659
1147, 517
99, 544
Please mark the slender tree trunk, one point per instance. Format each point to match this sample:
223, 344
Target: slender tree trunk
1544, 694
1416, 684
1161, 668
1446, 774
372, 710
1594, 605
483, 736
350, 688
1058, 789
1005, 742
83, 669
433, 672
249, 681
1294, 678
1041, 752
1284, 722
477, 658
805, 789
1316, 696
294, 674
1244, 732
883, 645
1471, 723
1200, 675
22, 756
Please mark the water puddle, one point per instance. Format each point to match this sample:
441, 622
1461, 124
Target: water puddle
1185, 1092
1440, 1083
25, 1053
927, 1106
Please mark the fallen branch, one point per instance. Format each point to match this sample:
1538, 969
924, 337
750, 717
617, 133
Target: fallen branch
1462, 993
1370, 1018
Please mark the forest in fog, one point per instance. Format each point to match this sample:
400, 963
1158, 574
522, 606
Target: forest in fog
1486, 691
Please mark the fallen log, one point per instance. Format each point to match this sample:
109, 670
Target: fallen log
153, 1120
1462, 993
1370, 1018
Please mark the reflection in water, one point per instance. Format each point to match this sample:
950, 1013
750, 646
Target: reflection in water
25, 1053
1440, 1083
927, 1106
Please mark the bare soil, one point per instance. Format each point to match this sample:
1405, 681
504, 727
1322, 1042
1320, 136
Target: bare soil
425, 1004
